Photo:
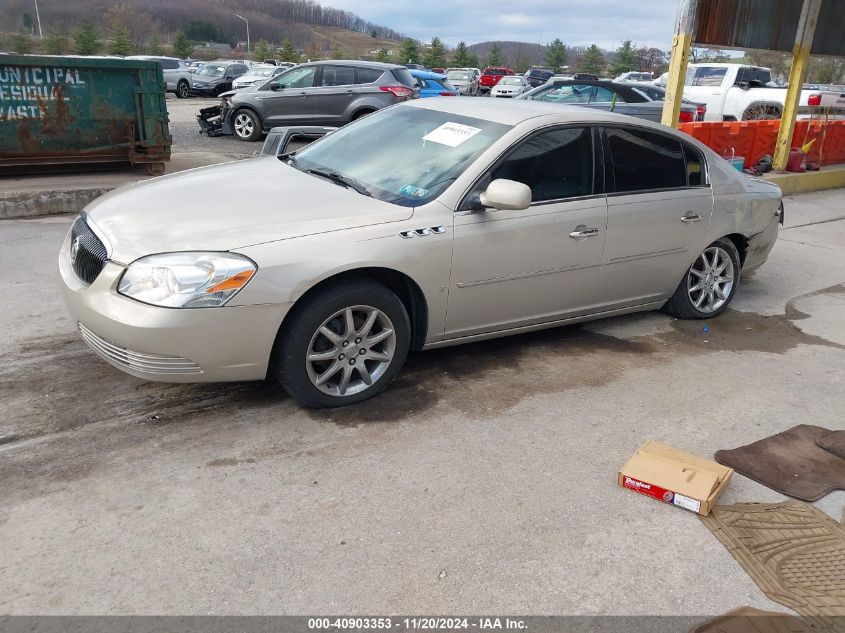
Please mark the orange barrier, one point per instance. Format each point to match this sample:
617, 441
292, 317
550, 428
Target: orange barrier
755, 139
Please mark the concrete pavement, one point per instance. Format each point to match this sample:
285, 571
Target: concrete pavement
482, 481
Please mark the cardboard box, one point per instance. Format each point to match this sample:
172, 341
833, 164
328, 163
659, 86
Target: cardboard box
675, 477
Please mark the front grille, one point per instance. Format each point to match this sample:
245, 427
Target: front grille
88, 255
136, 361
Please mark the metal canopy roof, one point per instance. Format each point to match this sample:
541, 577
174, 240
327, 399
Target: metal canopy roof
767, 25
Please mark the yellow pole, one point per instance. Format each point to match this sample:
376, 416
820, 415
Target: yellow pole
681, 46
800, 58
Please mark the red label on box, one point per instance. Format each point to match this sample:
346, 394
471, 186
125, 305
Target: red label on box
650, 490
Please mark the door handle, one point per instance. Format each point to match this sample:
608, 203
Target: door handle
577, 234
303, 94
690, 219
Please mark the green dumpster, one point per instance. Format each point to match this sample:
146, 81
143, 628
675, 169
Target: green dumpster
76, 110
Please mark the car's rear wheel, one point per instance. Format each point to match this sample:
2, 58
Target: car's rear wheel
709, 285
246, 126
183, 89
344, 344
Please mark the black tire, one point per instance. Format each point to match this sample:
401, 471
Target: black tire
681, 304
289, 362
246, 126
361, 114
183, 89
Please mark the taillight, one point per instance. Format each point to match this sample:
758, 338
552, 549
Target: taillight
398, 91
701, 111
448, 94
686, 117
815, 100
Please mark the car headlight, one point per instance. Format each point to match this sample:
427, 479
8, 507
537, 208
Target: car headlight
186, 280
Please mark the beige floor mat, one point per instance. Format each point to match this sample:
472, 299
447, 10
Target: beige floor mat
833, 442
750, 620
795, 553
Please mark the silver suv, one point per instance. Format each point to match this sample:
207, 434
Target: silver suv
318, 93
176, 73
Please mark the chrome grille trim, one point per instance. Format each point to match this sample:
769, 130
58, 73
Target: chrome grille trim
88, 254
137, 361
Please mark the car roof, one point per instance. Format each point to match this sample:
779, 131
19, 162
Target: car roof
352, 62
514, 112
425, 74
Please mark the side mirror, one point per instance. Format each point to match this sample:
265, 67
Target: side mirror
277, 86
506, 195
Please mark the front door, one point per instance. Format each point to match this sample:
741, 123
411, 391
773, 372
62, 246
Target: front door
659, 210
289, 99
520, 268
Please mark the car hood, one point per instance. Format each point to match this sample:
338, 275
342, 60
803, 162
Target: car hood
229, 206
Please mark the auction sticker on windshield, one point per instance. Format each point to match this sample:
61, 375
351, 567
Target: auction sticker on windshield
451, 134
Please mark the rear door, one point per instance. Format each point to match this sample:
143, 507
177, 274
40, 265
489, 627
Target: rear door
336, 90
292, 100
659, 209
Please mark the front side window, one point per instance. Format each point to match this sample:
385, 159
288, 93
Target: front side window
413, 154
575, 95
644, 161
338, 76
302, 77
556, 164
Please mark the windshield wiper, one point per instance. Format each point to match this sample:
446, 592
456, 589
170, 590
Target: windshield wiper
340, 179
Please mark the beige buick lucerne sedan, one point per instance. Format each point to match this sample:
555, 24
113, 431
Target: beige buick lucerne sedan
430, 223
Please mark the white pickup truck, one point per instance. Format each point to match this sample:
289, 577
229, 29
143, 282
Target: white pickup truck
737, 92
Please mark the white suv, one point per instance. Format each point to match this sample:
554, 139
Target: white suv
176, 74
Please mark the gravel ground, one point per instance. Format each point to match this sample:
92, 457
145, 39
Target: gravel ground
186, 136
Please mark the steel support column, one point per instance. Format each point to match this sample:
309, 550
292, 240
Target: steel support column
800, 58
681, 46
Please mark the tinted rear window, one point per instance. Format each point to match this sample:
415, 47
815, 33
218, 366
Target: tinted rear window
368, 75
404, 77
494, 71
645, 161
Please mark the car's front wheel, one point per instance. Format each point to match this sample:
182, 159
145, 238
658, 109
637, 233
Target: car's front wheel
344, 344
246, 125
709, 285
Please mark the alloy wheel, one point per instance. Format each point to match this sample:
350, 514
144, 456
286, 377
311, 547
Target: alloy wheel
244, 126
351, 350
710, 280
184, 89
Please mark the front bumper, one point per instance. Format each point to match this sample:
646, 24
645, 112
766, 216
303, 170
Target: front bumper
165, 344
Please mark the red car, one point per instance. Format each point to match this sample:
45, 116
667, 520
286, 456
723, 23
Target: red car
491, 76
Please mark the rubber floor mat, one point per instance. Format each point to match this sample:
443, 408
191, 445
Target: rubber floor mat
790, 462
750, 620
833, 442
794, 552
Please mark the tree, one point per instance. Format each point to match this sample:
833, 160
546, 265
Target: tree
374, 34
593, 61
22, 42
556, 54
624, 59
409, 53
287, 53
473, 61
261, 51
28, 24
381, 55
495, 56
182, 46
337, 52
522, 62
435, 56
119, 44
154, 45
56, 42
85, 39
461, 56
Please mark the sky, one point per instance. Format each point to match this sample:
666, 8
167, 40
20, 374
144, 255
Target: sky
575, 22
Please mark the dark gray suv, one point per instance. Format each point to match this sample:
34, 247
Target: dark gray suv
317, 93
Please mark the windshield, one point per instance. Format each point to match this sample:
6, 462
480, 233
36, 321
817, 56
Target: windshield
413, 154
511, 81
259, 72
211, 70
458, 76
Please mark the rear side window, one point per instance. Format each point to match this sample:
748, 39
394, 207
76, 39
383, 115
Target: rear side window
696, 176
706, 76
644, 161
368, 75
605, 95
169, 64
404, 77
338, 76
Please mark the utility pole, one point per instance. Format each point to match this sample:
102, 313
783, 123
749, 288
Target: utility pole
247, 31
38, 19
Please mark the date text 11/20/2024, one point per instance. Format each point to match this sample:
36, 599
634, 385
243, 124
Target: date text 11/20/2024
416, 624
